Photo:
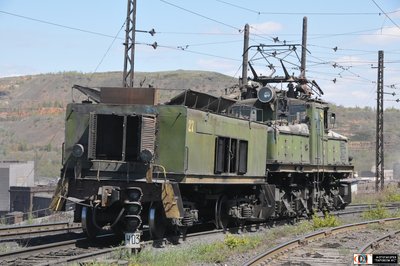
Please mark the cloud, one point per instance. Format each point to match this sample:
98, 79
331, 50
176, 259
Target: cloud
385, 35
266, 27
395, 14
223, 66
350, 60
16, 70
349, 92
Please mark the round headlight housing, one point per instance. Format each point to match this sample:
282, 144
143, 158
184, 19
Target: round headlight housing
78, 150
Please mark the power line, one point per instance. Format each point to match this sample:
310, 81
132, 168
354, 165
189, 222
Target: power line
386, 15
107, 51
197, 33
211, 19
304, 13
57, 25
107, 35
240, 7
208, 43
200, 15
196, 52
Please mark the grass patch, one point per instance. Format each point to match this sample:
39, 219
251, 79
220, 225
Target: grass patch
379, 212
327, 221
390, 194
215, 253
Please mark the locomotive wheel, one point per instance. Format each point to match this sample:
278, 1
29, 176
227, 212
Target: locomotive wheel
157, 220
88, 226
221, 213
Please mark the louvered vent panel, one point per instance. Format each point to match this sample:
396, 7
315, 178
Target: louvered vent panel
148, 133
92, 136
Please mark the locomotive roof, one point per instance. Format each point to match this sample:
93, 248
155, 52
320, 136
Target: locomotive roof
203, 101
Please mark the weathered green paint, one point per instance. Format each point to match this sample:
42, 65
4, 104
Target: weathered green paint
315, 113
336, 152
185, 142
287, 147
76, 129
77, 122
202, 130
170, 138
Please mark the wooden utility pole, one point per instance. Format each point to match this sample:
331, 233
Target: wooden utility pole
304, 49
245, 60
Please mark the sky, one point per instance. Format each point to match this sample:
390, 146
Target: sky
344, 37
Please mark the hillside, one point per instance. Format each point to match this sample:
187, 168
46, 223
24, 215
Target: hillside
32, 108
32, 114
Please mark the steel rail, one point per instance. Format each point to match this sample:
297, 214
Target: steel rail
102, 252
271, 253
80, 257
348, 212
368, 248
372, 205
26, 252
20, 231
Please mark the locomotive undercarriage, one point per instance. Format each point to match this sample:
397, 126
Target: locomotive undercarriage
110, 202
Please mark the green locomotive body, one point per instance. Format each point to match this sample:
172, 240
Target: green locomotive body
200, 159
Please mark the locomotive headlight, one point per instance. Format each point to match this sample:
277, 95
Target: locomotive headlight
146, 155
266, 94
78, 150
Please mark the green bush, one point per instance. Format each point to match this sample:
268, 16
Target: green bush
232, 241
241, 242
327, 221
379, 212
392, 194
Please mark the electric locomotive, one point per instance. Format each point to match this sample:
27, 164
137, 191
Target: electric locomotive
131, 163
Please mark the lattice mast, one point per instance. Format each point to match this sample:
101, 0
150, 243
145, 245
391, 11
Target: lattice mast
129, 58
379, 182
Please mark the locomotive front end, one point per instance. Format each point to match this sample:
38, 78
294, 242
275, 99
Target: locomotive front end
107, 157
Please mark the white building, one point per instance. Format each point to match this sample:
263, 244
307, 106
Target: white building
14, 173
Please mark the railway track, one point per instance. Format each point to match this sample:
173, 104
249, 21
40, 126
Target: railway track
377, 245
59, 252
80, 249
326, 247
359, 208
76, 250
18, 232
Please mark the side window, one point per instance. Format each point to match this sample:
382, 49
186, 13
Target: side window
242, 164
220, 155
297, 114
230, 155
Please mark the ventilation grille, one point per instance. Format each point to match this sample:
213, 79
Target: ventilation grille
92, 136
148, 134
